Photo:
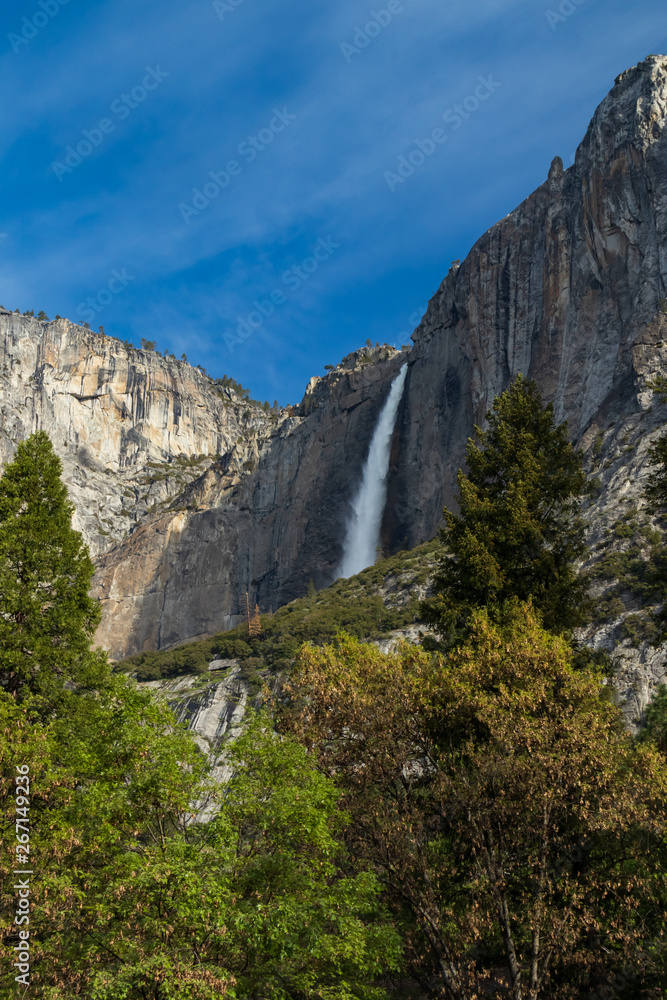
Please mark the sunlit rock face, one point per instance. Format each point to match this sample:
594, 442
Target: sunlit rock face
189, 497
130, 427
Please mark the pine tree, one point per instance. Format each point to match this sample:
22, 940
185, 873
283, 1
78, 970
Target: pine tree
519, 532
47, 618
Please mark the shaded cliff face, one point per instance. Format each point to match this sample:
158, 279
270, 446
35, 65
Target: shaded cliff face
268, 534
559, 290
189, 497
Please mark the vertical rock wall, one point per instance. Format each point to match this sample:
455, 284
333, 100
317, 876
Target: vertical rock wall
189, 497
559, 290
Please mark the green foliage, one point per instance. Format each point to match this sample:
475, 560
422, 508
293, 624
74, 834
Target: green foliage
655, 726
519, 532
351, 605
134, 900
639, 628
656, 488
641, 574
47, 618
632, 570
227, 382
191, 659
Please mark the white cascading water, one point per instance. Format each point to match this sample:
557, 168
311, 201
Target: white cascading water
363, 529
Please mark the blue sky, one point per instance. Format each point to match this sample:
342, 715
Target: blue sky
117, 113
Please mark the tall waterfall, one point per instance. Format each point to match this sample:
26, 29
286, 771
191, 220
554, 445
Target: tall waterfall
363, 529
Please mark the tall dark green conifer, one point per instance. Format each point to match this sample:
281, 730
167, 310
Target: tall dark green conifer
519, 532
47, 617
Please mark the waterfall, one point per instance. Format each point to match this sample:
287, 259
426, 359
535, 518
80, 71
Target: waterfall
363, 528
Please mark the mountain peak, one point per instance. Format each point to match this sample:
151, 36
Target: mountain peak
634, 111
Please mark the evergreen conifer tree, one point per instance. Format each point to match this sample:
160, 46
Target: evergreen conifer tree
519, 532
47, 617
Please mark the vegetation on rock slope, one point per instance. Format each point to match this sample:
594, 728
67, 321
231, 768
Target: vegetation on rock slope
382, 598
127, 897
476, 820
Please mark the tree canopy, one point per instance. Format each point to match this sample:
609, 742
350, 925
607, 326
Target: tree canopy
477, 820
47, 617
517, 829
136, 898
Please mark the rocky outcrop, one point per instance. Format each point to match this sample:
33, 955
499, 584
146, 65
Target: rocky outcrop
213, 708
190, 497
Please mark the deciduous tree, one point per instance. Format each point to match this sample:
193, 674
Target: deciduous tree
133, 899
513, 822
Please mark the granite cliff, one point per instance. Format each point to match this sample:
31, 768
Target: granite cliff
189, 496
567, 289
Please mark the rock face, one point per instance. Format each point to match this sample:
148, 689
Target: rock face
131, 428
563, 290
190, 497
213, 709
267, 534
187, 493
